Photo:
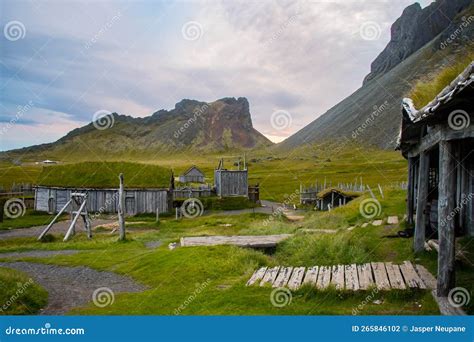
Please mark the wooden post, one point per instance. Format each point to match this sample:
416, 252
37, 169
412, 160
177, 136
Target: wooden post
446, 189
157, 215
410, 190
422, 199
121, 209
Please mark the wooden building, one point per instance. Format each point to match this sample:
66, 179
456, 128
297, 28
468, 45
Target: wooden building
438, 141
231, 182
332, 198
192, 175
99, 201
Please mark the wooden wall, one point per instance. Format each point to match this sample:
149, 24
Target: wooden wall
137, 201
231, 182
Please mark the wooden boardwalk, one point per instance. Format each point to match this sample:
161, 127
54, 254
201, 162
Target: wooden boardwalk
379, 275
255, 241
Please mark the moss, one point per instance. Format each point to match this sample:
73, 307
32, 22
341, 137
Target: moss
105, 175
426, 91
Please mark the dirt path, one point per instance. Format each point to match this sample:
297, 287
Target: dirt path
58, 228
71, 287
38, 253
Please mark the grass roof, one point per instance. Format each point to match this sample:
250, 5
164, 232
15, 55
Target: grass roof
425, 91
105, 175
324, 192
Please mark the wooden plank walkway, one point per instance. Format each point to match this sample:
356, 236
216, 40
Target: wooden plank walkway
254, 241
380, 275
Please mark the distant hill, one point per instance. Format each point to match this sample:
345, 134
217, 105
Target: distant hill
192, 125
423, 41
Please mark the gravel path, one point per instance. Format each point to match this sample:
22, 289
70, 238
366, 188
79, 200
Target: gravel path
38, 254
71, 287
59, 227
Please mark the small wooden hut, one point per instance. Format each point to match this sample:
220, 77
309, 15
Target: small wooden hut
231, 182
333, 197
192, 175
438, 141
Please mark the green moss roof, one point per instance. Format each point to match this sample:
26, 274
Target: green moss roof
105, 175
342, 192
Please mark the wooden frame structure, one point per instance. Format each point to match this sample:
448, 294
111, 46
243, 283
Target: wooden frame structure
192, 175
438, 141
231, 182
78, 207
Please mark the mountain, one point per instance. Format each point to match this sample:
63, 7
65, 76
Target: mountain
192, 125
423, 41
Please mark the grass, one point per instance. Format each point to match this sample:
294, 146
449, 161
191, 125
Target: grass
425, 91
30, 219
19, 294
279, 173
105, 175
221, 271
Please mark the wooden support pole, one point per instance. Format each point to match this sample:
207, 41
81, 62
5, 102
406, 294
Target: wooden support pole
121, 210
422, 199
71, 229
54, 220
411, 190
446, 237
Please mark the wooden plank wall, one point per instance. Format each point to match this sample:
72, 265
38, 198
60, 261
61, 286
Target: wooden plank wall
231, 182
105, 200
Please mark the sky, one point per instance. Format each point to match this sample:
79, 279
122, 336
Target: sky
61, 62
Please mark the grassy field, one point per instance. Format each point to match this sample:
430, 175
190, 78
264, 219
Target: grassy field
30, 219
221, 271
19, 294
279, 173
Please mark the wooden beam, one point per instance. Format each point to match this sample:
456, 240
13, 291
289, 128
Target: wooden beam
446, 197
422, 199
121, 209
257, 276
411, 190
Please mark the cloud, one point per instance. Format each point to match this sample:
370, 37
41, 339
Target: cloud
131, 57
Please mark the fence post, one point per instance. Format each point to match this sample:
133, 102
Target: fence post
121, 207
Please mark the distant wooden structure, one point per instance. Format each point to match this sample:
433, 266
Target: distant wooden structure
309, 194
333, 197
193, 192
231, 182
438, 141
192, 175
137, 201
254, 193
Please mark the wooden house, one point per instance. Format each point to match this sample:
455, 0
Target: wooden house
231, 182
100, 201
333, 197
192, 175
438, 141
